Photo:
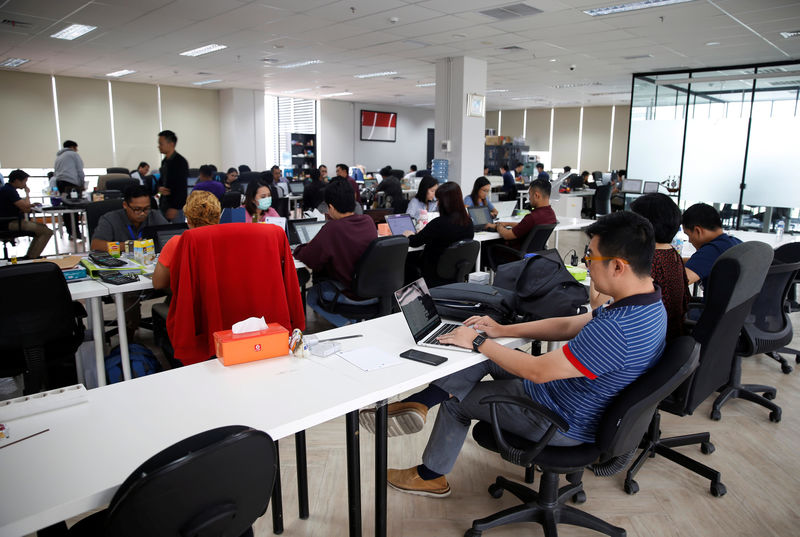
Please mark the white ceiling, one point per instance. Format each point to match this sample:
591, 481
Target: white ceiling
354, 37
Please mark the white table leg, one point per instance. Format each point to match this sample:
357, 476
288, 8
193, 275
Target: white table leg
123, 336
96, 311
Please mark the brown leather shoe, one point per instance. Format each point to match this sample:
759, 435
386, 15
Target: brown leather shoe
408, 480
404, 418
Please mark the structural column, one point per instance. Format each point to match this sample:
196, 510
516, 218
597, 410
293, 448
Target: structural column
456, 79
242, 130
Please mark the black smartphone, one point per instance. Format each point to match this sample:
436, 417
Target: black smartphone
424, 357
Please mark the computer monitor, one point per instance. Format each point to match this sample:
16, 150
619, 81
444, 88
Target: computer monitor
296, 188
370, 182
650, 187
398, 223
631, 186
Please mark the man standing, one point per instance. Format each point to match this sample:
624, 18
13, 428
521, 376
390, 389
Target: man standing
541, 214
542, 174
13, 206
342, 171
68, 175
174, 178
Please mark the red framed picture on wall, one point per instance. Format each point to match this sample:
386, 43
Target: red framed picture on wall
378, 126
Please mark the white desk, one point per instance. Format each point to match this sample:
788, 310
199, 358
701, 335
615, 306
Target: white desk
745, 236
92, 291
57, 213
88, 452
570, 224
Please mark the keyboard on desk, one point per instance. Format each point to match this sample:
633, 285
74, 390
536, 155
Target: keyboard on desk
444, 329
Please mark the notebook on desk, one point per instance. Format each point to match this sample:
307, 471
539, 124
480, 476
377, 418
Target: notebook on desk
423, 320
398, 223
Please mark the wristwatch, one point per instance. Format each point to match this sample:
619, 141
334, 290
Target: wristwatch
477, 342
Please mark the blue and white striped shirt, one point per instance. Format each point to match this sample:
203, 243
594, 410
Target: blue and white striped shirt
620, 343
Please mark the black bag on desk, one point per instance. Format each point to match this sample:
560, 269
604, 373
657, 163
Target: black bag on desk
542, 286
459, 301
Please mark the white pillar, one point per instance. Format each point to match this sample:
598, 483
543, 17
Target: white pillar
455, 79
242, 129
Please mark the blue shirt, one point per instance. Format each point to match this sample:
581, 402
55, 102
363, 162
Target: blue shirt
703, 259
543, 175
509, 185
468, 203
8, 197
622, 341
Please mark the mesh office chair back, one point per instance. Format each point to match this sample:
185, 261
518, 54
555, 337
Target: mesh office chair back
118, 170
536, 239
602, 200
97, 209
103, 179
457, 261
121, 184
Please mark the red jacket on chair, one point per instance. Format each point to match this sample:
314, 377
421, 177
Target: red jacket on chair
223, 274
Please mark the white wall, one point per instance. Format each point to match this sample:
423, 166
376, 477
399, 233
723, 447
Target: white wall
242, 129
410, 148
335, 134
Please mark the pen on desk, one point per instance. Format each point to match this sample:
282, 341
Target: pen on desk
340, 338
21, 439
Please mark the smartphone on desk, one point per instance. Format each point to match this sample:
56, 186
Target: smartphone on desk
423, 357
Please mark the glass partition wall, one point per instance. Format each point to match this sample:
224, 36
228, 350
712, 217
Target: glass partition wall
727, 136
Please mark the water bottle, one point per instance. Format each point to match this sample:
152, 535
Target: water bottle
779, 230
677, 243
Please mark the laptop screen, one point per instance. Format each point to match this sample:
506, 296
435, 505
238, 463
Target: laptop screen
634, 186
307, 230
418, 308
480, 216
296, 188
398, 223
650, 187
370, 182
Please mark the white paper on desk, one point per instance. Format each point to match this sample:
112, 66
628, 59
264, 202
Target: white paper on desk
370, 358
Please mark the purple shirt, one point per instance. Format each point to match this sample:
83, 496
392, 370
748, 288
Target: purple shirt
216, 188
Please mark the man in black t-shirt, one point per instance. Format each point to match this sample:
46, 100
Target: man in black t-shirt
13, 206
174, 177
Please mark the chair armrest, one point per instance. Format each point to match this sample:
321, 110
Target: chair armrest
692, 306
515, 455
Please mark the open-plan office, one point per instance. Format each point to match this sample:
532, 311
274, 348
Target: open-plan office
699, 96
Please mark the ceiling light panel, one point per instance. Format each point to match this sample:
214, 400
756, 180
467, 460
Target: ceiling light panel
301, 90
298, 64
73, 31
13, 62
339, 94
376, 75
206, 82
513, 11
123, 72
632, 6
203, 50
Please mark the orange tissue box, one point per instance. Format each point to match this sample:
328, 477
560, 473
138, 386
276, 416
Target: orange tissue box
251, 346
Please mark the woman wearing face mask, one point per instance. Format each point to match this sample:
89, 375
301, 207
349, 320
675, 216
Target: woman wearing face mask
258, 200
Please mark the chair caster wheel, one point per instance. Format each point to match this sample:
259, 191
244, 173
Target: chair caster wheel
716, 415
769, 396
495, 491
579, 497
775, 416
631, 487
707, 448
718, 489
786, 368
472, 532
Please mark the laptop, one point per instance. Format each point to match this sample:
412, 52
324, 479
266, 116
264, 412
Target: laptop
398, 223
505, 208
294, 238
276, 220
423, 320
650, 187
480, 217
161, 234
631, 186
370, 182
307, 230
297, 188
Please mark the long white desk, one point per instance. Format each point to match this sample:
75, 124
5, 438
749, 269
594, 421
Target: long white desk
89, 451
745, 236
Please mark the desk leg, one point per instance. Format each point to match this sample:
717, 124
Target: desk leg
381, 462
556, 240
123, 336
353, 474
96, 307
277, 500
302, 473
55, 231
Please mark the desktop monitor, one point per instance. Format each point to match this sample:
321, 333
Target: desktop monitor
398, 223
631, 186
650, 187
296, 188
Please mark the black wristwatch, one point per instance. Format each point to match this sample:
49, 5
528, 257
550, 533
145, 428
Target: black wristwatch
477, 342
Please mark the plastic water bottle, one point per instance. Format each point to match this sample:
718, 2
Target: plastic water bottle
677, 243
779, 230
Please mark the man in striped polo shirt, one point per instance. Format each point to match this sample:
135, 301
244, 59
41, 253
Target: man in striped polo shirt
607, 349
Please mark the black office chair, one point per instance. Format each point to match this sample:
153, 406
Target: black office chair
232, 199
281, 205
379, 215
118, 170
456, 262
378, 274
41, 327
534, 241
97, 209
194, 172
602, 200
215, 483
790, 253
618, 434
121, 184
735, 281
245, 178
8, 236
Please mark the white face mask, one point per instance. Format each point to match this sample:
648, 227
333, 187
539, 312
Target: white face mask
265, 203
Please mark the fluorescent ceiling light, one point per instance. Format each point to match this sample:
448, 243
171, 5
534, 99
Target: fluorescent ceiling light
496, 91
340, 94
204, 50
787, 35
73, 32
426, 85
123, 72
13, 62
298, 64
301, 90
374, 75
632, 6
204, 82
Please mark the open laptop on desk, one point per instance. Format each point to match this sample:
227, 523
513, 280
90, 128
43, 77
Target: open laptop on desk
505, 208
161, 234
306, 230
296, 188
423, 320
650, 187
480, 217
398, 223
631, 186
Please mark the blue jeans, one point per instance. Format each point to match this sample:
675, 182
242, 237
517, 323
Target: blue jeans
456, 414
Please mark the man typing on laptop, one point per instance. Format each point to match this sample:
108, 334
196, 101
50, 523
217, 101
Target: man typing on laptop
541, 214
607, 349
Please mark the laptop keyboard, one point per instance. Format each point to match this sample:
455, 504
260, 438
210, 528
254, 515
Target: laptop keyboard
444, 329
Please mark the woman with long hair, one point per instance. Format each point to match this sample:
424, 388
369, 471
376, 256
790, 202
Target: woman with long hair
479, 197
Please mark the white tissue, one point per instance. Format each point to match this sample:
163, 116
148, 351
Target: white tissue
253, 324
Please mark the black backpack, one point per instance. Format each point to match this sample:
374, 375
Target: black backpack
459, 301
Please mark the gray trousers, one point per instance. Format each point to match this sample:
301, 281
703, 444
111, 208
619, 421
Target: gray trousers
456, 414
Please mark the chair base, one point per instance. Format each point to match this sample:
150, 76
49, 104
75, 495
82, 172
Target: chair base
653, 445
748, 392
546, 507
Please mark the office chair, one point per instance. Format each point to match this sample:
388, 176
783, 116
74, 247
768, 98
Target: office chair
126, 171
456, 262
378, 274
214, 483
194, 172
790, 253
41, 327
736, 279
618, 434
232, 200
602, 200
245, 178
379, 215
121, 184
281, 205
103, 179
8, 236
97, 209
534, 241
